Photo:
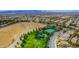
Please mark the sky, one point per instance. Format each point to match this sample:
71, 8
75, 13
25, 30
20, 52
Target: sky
17, 11
39, 10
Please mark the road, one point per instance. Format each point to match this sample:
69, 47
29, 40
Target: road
52, 41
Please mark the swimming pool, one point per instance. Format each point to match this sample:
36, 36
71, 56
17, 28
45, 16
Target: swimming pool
50, 30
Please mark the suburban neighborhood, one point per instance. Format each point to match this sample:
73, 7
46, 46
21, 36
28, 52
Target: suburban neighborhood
39, 30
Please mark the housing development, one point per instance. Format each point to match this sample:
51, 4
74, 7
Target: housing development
39, 30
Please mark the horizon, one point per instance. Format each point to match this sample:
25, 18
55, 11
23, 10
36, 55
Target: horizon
39, 10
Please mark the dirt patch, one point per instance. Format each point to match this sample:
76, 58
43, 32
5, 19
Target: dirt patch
8, 33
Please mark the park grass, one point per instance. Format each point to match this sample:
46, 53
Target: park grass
32, 42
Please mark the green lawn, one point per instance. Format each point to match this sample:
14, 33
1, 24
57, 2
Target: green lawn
36, 39
30, 41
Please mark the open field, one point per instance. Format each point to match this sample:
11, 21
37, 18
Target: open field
8, 33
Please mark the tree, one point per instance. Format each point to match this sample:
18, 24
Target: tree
25, 36
77, 43
22, 45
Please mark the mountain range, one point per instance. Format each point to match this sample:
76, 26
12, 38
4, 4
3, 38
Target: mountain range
40, 11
